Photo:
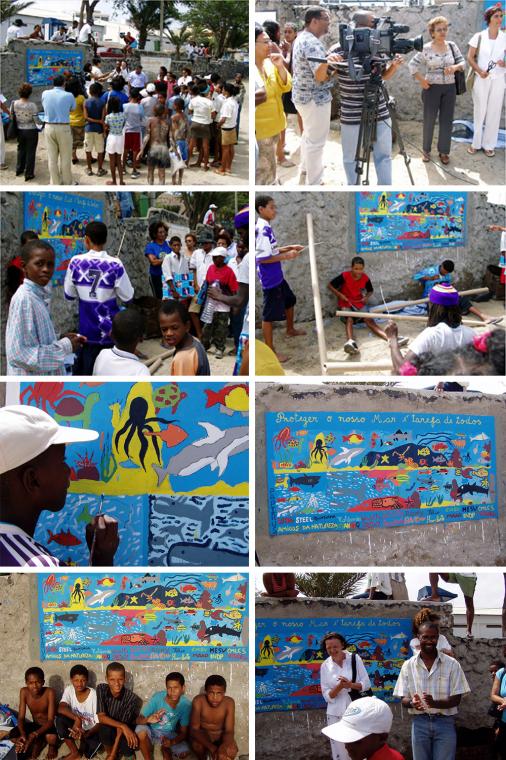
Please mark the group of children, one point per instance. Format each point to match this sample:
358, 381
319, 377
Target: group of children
110, 718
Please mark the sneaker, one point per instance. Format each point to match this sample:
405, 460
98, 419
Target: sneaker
402, 341
219, 354
135, 175
351, 347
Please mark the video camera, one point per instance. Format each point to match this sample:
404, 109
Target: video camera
381, 40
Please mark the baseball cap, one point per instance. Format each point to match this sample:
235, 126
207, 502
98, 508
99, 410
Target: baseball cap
213, 205
444, 294
19, 22
26, 432
364, 716
219, 251
150, 87
143, 93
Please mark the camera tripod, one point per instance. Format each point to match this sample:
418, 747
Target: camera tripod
374, 88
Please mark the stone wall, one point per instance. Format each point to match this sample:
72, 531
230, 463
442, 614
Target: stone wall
227, 68
19, 643
298, 733
334, 226
475, 543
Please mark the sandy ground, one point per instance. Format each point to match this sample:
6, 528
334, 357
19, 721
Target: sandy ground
192, 176
223, 366
303, 350
463, 168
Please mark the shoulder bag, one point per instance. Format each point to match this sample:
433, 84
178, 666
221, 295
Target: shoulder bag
471, 74
354, 694
460, 77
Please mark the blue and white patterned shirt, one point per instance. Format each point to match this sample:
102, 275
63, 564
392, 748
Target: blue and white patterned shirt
305, 88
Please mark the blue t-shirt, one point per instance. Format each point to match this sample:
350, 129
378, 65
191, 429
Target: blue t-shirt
156, 249
94, 107
429, 284
502, 690
179, 715
121, 96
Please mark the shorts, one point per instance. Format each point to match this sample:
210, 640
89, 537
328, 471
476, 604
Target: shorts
94, 141
195, 307
159, 157
77, 137
200, 131
467, 585
156, 736
182, 147
229, 136
288, 104
276, 301
115, 144
133, 141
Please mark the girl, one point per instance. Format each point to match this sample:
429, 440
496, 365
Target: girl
115, 123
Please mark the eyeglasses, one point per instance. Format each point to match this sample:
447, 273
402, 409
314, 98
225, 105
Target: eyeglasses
441, 29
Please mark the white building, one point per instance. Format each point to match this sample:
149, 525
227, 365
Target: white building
487, 623
104, 29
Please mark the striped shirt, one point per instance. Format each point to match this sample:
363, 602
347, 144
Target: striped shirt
352, 93
124, 708
445, 679
18, 549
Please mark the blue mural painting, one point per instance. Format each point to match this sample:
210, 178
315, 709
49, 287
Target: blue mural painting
143, 617
389, 221
43, 64
288, 657
348, 470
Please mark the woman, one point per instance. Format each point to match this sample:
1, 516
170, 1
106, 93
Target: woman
486, 58
28, 135
271, 80
434, 68
498, 696
426, 615
336, 683
162, 74
77, 117
37, 33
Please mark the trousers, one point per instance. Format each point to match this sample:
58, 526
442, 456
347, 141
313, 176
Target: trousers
488, 98
27, 148
382, 151
59, 153
438, 99
433, 737
316, 120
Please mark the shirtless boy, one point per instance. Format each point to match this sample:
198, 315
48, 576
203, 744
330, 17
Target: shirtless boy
29, 737
212, 722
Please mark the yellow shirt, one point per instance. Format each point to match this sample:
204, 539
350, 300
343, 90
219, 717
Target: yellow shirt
266, 361
270, 117
77, 115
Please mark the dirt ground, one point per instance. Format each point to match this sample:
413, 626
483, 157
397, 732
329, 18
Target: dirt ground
303, 350
191, 176
223, 366
463, 169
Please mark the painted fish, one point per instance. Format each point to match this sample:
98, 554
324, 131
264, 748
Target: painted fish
69, 617
480, 437
84, 516
231, 398
440, 446
345, 455
388, 502
106, 582
304, 480
64, 538
173, 435
188, 588
294, 488
353, 438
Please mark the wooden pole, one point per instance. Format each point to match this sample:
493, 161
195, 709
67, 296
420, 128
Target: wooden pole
153, 359
155, 366
320, 331
352, 366
472, 292
394, 316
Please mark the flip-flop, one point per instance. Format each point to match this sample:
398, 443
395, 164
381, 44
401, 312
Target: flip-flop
489, 153
472, 150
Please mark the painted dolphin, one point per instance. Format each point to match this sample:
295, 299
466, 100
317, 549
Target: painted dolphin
99, 597
345, 455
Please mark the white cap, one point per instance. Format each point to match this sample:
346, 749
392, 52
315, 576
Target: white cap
150, 87
26, 432
213, 205
219, 251
143, 93
364, 716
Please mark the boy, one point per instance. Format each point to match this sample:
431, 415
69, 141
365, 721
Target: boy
279, 300
200, 261
431, 276
133, 131
15, 273
96, 280
353, 290
41, 701
155, 252
228, 128
216, 314
33, 477
31, 344
76, 717
190, 357
166, 718
212, 722
179, 134
117, 713
364, 730
94, 113
174, 266
127, 332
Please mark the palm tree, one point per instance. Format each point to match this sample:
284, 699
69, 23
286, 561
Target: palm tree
329, 585
196, 205
144, 15
224, 19
10, 8
179, 38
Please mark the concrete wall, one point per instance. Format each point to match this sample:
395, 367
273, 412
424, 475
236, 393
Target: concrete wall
476, 543
19, 643
334, 224
298, 733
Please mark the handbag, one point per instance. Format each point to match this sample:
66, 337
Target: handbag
471, 74
354, 694
12, 129
460, 77
493, 710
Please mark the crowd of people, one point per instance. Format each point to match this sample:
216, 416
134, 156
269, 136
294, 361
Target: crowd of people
295, 73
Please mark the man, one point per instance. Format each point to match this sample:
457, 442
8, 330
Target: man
431, 685
57, 105
467, 584
14, 31
311, 92
364, 730
210, 215
352, 100
85, 35
73, 35
60, 35
137, 79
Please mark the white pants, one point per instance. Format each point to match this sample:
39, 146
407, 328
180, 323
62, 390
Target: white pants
2, 144
59, 153
488, 99
338, 749
316, 120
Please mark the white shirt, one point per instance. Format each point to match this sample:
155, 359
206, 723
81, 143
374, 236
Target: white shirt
217, 100
442, 338
330, 672
229, 111
200, 262
209, 217
445, 679
13, 32
86, 710
490, 50
380, 582
139, 81
84, 33
149, 103
184, 80
243, 276
174, 264
201, 109
442, 644
96, 72
114, 361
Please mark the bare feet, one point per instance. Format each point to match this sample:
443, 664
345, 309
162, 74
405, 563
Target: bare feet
71, 756
282, 358
293, 333
52, 753
434, 598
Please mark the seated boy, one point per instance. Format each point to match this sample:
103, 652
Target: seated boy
353, 290
76, 718
30, 736
434, 275
190, 356
165, 719
117, 712
212, 722
127, 331
364, 730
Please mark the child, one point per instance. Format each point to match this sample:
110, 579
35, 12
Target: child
364, 730
353, 289
200, 261
279, 300
180, 131
31, 344
117, 713
166, 718
202, 113
15, 272
443, 273
155, 253
115, 145
134, 113
228, 123
77, 117
127, 332
217, 100
212, 722
76, 718
96, 280
175, 271
94, 113
41, 701
157, 134
215, 314
190, 357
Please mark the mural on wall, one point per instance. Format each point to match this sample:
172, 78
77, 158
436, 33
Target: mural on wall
43, 65
389, 221
170, 464
348, 470
143, 617
60, 219
288, 657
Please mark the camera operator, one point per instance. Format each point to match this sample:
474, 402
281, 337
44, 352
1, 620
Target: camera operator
311, 92
352, 101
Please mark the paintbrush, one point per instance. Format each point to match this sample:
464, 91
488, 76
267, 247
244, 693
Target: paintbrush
92, 550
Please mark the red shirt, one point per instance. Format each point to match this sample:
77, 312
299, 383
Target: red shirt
352, 289
225, 276
386, 753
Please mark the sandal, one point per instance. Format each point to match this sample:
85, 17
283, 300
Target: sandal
425, 157
489, 153
444, 158
472, 150
89, 172
102, 172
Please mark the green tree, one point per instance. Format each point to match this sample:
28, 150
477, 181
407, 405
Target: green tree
179, 38
144, 15
226, 20
196, 205
10, 8
86, 11
329, 585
